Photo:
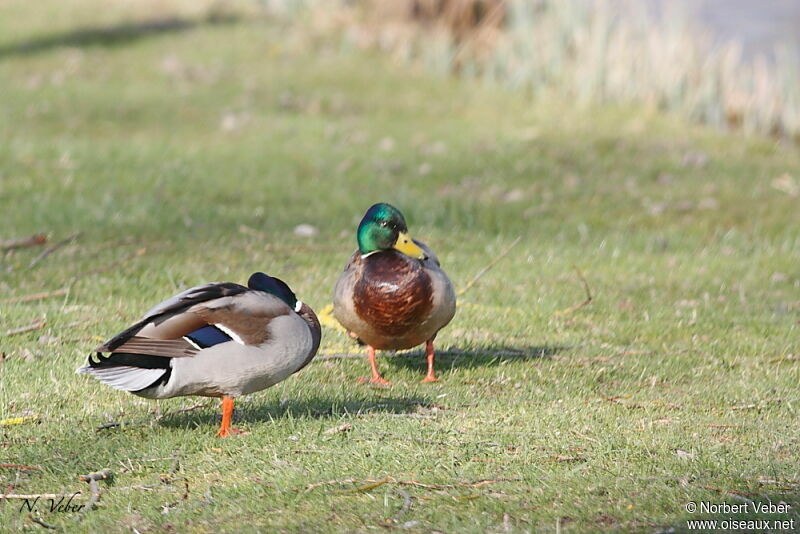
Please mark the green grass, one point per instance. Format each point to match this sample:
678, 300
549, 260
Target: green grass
207, 146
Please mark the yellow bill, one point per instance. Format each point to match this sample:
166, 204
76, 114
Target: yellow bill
407, 246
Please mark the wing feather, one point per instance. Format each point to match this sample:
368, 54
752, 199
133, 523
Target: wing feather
247, 315
171, 317
168, 348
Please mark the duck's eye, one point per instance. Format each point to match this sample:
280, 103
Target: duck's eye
384, 223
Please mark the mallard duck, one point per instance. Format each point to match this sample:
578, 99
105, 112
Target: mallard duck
213, 340
393, 294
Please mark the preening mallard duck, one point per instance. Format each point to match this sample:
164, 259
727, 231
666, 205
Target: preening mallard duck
214, 340
393, 294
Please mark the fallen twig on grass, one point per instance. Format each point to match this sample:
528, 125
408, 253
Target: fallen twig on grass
103, 474
94, 488
367, 487
94, 496
23, 242
22, 467
403, 509
40, 522
52, 248
488, 266
24, 329
36, 296
487, 481
183, 410
789, 358
560, 458
580, 305
176, 465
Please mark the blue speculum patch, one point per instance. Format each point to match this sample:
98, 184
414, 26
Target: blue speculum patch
208, 336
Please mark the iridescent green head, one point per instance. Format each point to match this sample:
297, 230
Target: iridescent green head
383, 228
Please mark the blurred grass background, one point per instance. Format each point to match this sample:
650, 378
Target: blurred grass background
595, 51
184, 142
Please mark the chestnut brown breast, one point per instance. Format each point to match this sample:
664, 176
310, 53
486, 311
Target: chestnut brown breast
393, 293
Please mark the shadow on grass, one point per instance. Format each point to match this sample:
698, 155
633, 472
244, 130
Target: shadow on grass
452, 358
315, 408
740, 512
116, 35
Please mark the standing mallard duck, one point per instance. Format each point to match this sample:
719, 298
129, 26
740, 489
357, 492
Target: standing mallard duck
393, 295
214, 340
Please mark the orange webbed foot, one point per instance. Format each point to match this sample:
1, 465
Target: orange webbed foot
429, 356
376, 379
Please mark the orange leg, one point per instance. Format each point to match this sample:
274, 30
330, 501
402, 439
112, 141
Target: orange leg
373, 364
431, 376
227, 415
